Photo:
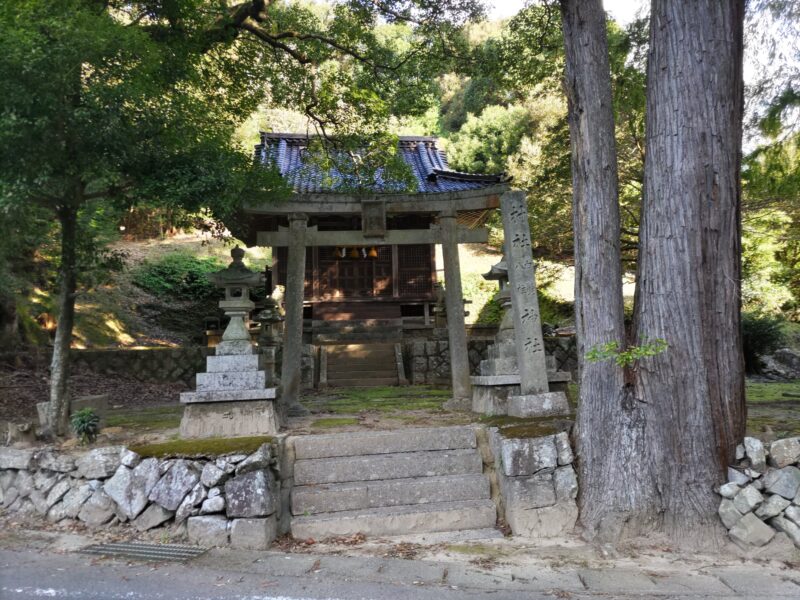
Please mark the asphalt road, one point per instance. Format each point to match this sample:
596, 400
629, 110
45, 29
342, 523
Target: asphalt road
32, 574
50, 572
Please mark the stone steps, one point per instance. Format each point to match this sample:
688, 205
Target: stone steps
387, 466
420, 518
356, 337
365, 383
360, 495
417, 439
361, 365
368, 373
410, 481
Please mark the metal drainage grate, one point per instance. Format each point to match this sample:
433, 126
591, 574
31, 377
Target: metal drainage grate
141, 551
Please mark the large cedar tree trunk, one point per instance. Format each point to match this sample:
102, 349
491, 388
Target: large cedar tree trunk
610, 432
653, 438
688, 282
58, 409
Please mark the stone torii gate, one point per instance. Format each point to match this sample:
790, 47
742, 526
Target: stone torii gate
400, 227
299, 236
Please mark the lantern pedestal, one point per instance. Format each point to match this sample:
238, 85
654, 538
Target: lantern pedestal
232, 398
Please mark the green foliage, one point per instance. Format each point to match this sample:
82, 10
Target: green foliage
628, 356
771, 227
762, 334
765, 279
178, 276
507, 112
483, 144
86, 425
484, 308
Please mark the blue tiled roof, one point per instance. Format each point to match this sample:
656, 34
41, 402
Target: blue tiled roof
428, 165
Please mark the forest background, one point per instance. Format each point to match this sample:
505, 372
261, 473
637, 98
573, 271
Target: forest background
498, 105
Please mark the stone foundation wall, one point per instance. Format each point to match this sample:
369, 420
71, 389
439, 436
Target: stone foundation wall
538, 484
244, 500
146, 364
760, 504
429, 362
230, 499
565, 350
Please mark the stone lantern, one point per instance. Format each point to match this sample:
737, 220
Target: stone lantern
232, 397
269, 337
237, 280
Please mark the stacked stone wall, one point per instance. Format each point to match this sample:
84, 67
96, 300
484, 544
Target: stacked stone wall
230, 499
760, 504
161, 365
428, 362
538, 484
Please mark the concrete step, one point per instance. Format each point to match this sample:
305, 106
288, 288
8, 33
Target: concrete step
387, 466
337, 374
398, 520
352, 383
344, 360
354, 349
351, 326
366, 336
231, 380
336, 497
416, 439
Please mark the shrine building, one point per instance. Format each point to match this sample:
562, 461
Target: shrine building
367, 256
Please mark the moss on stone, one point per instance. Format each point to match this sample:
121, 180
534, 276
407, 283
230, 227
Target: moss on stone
518, 428
202, 447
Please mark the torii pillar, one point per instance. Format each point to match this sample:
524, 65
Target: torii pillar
454, 301
293, 325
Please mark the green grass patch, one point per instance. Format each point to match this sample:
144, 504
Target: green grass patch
334, 422
203, 447
350, 401
145, 419
757, 392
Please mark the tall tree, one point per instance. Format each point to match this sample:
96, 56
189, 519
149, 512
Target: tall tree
663, 426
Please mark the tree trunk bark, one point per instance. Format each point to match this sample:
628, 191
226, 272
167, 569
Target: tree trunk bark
610, 429
58, 409
688, 284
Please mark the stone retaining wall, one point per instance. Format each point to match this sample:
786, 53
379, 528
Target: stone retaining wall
428, 362
244, 500
230, 499
146, 364
760, 504
538, 484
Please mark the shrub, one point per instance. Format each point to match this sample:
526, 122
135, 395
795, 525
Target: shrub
761, 335
86, 425
178, 276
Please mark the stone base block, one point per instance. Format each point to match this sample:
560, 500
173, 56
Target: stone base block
399, 520
229, 419
254, 534
548, 521
492, 399
208, 530
548, 404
